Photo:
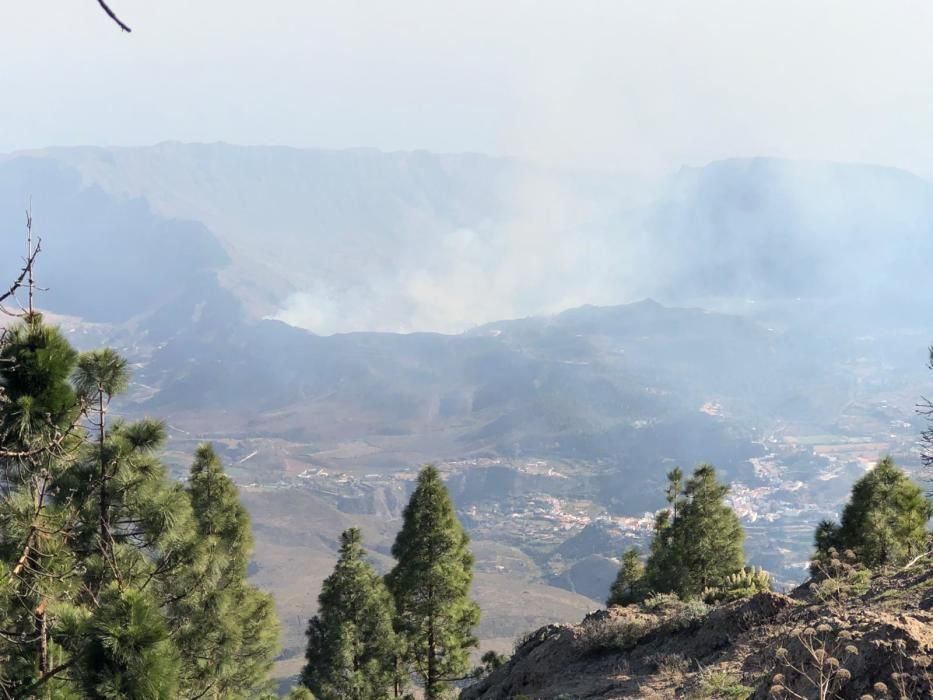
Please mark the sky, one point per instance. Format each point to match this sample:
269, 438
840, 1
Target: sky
632, 85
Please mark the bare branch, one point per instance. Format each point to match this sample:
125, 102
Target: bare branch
113, 16
925, 409
915, 560
24, 273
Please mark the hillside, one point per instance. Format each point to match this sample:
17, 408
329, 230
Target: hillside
771, 646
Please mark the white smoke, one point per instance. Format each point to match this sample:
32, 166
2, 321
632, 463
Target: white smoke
545, 256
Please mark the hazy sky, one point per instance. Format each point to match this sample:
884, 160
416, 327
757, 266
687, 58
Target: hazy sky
642, 84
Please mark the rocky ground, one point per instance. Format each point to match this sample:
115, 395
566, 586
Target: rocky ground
848, 635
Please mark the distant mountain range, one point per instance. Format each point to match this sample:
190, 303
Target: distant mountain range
175, 253
366, 240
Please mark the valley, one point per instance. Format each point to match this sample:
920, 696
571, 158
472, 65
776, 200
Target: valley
493, 351
553, 430
551, 483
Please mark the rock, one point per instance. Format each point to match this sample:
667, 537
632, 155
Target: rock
741, 649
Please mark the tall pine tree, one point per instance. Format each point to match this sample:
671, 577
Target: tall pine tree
629, 585
129, 653
225, 628
431, 586
131, 544
99, 527
698, 542
109, 586
351, 642
39, 440
101, 550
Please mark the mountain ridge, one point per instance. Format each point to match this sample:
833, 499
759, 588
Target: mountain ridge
511, 238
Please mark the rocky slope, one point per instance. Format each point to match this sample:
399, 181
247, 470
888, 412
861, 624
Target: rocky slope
836, 638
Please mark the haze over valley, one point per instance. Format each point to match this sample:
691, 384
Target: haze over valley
554, 339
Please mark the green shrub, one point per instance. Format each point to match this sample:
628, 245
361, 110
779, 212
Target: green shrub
742, 584
719, 684
837, 577
678, 614
660, 601
687, 614
489, 662
671, 668
611, 634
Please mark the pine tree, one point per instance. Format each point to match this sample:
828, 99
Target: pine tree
885, 521
700, 546
99, 549
710, 534
675, 489
130, 545
130, 529
130, 654
628, 587
138, 532
38, 405
662, 566
39, 437
351, 642
431, 585
225, 629
826, 536
99, 375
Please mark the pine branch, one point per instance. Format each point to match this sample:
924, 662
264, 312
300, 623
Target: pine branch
49, 676
56, 442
